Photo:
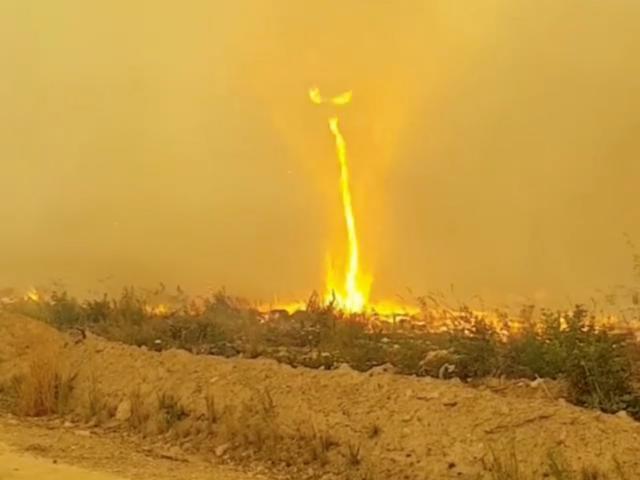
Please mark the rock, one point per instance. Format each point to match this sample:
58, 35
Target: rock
123, 412
493, 382
503, 410
382, 369
175, 452
172, 453
221, 449
429, 396
82, 433
624, 415
536, 383
434, 362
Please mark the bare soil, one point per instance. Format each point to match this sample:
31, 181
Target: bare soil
369, 425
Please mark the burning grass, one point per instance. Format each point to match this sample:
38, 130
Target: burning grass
592, 357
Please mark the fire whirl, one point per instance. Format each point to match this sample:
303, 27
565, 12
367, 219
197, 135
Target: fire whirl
351, 294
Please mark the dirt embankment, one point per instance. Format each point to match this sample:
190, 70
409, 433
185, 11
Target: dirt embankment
336, 424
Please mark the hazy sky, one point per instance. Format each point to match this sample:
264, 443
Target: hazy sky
494, 145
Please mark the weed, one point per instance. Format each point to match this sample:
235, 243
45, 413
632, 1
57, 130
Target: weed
265, 403
558, 468
619, 469
353, 454
64, 311
139, 413
212, 412
319, 444
96, 404
504, 467
477, 345
97, 311
171, 410
374, 430
592, 473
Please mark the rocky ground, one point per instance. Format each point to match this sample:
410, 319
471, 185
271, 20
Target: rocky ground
183, 411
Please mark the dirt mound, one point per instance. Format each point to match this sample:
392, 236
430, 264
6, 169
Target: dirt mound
20, 339
375, 425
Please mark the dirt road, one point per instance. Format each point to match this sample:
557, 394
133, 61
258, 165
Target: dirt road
44, 450
16, 466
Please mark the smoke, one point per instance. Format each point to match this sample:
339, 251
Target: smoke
492, 146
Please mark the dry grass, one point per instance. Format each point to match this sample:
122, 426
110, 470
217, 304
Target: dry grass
139, 412
506, 466
315, 444
97, 407
171, 411
252, 424
45, 389
374, 431
354, 456
212, 413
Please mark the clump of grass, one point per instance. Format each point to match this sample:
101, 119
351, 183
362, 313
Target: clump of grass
212, 413
374, 431
592, 473
139, 413
354, 457
558, 468
477, 345
64, 311
504, 467
45, 389
253, 424
318, 444
171, 410
594, 362
96, 402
